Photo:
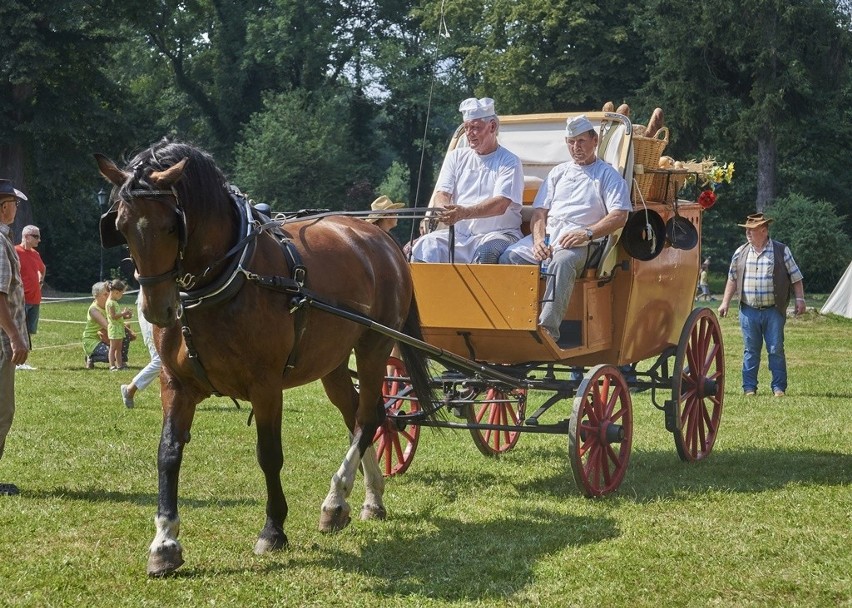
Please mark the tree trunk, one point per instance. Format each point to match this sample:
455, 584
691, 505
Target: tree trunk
767, 166
12, 168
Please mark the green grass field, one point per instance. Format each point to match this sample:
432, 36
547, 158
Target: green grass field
765, 521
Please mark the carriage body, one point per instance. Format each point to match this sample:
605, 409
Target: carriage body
625, 310
629, 309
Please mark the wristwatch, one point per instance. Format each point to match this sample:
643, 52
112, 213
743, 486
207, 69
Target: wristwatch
589, 234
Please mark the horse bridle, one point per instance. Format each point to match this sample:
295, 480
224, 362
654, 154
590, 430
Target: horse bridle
175, 273
187, 281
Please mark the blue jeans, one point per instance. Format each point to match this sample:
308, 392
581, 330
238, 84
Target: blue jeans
759, 326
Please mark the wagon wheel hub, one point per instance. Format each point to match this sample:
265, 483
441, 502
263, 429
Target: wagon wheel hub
611, 433
708, 387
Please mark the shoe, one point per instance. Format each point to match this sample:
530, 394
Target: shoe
9, 489
122, 367
128, 400
89, 363
779, 393
750, 393
24, 366
113, 368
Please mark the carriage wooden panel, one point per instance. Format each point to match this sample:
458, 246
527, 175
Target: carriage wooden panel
489, 312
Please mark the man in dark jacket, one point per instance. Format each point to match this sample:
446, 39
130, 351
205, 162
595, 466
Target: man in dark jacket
764, 272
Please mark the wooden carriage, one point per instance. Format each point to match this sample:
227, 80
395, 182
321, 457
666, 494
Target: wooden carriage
623, 312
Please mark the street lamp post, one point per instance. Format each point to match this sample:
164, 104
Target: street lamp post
102, 201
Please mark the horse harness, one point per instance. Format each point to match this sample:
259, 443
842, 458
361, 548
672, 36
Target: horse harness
236, 274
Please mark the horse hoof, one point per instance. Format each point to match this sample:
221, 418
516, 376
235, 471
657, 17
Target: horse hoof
276, 542
333, 520
165, 561
373, 512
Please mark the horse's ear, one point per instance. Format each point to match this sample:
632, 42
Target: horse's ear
168, 177
108, 169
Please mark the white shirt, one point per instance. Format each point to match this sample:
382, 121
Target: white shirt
470, 178
577, 196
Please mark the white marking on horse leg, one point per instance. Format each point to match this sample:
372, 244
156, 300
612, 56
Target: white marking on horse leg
165, 554
374, 485
334, 514
167, 532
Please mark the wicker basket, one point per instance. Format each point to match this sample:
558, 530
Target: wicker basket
647, 150
642, 184
665, 184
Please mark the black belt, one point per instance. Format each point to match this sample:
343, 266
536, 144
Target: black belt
759, 307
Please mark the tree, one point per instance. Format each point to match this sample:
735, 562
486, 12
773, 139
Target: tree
814, 232
746, 73
295, 154
60, 105
546, 56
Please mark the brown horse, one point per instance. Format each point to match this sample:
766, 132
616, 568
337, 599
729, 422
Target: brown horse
223, 292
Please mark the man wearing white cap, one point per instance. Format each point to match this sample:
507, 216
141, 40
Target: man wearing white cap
14, 340
480, 190
581, 201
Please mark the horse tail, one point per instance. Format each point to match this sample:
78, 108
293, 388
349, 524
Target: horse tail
416, 362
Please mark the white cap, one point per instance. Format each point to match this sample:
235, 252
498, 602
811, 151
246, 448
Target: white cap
577, 126
473, 108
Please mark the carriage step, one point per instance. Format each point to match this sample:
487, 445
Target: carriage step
671, 415
561, 424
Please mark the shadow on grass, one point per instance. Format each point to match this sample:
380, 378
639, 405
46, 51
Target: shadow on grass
661, 474
470, 561
97, 495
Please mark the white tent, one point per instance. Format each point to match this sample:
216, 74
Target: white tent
840, 300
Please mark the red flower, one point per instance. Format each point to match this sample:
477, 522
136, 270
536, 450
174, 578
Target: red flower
707, 199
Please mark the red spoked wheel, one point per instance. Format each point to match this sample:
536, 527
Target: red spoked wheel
600, 431
698, 386
395, 446
498, 407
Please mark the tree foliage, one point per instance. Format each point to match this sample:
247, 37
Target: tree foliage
814, 232
295, 153
309, 103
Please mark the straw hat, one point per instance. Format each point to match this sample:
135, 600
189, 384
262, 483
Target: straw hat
756, 220
383, 203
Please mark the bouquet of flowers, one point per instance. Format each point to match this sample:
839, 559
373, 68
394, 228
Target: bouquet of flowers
710, 176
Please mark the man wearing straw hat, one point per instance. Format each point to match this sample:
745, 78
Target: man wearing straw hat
764, 272
581, 201
387, 221
14, 340
479, 192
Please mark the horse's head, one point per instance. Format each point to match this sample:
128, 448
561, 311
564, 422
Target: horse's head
149, 217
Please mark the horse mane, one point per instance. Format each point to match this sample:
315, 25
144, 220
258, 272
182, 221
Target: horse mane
201, 180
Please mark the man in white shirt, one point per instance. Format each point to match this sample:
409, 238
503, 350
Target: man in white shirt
479, 191
582, 200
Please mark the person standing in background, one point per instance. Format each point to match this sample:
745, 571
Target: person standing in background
147, 374
32, 275
765, 273
116, 331
14, 340
704, 283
